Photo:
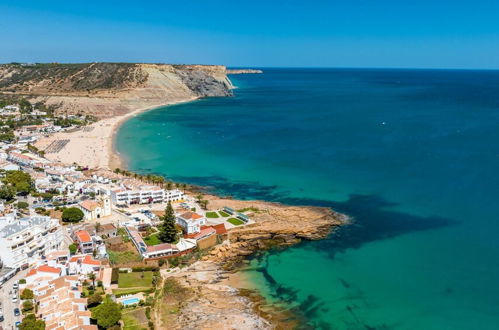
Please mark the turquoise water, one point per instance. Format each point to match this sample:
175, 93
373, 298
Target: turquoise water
411, 155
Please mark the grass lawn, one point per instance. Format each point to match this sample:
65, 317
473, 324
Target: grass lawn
116, 257
152, 240
132, 280
98, 290
212, 215
134, 319
223, 214
235, 222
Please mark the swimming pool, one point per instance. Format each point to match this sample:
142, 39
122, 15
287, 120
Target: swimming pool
130, 301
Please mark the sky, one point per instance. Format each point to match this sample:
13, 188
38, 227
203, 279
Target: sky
256, 33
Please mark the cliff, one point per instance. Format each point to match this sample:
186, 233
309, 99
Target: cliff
110, 89
275, 225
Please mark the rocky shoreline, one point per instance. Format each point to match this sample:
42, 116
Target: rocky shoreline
221, 300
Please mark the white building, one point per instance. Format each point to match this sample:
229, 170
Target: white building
93, 210
83, 264
191, 222
144, 194
23, 241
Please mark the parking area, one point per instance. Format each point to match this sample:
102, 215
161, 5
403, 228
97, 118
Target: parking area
9, 300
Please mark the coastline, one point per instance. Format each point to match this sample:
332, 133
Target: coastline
276, 225
94, 146
114, 158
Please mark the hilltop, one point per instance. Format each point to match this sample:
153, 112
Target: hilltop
111, 89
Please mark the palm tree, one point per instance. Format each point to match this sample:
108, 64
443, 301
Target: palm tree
117, 170
161, 181
91, 277
184, 186
199, 198
169, 185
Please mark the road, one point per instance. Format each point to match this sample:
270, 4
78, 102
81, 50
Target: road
7, 304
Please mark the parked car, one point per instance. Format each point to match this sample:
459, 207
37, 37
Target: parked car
14, 299
1, 317
15, 286
17, 312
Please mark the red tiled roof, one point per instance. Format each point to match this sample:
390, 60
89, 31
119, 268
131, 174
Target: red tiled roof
191, 215
89, 205
90, 261
220, 228
48, 269
159, 247
31, 272
83, 236
205, 232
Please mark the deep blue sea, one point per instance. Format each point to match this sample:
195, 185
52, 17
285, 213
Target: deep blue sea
411, 155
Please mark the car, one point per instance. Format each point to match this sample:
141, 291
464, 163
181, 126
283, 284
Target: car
15, 286
17, 312
18, 323
14, 299
1, 318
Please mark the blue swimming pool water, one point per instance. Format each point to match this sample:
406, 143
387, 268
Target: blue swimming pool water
131, 301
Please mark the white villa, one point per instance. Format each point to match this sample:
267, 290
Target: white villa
191, 222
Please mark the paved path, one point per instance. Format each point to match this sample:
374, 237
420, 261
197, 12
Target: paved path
7, 304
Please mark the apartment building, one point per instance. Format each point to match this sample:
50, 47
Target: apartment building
61, 306
24, 241
134, 193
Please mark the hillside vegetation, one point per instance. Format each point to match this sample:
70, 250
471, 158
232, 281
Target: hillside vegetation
108, 89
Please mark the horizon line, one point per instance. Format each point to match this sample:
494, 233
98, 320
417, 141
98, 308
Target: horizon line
273, 67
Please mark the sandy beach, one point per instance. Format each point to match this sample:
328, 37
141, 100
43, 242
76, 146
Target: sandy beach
93, 146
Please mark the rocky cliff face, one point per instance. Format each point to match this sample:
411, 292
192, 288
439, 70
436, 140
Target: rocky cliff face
275, 225
109, 89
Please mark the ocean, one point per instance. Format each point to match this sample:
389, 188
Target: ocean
410, 155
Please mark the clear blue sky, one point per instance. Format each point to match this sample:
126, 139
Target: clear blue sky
348, 33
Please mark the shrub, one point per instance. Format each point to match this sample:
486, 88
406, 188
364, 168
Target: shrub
151, 325
145, 269
94, 300
22, 281
22, 205
27, 306
73, 248
148, 312
27, 294
115, 275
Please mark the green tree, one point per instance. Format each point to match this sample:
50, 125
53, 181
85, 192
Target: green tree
20, 180
7, 192
94, 300
73, 248
31, 323
92, 277
168, 233
27, 294
107, 314
27, 306
22, 205
72, 214
24, 106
